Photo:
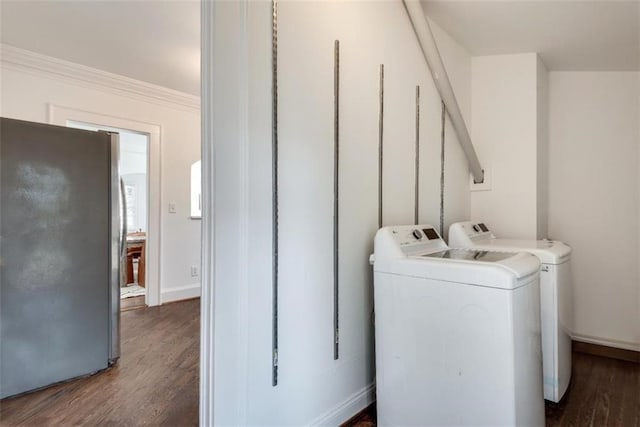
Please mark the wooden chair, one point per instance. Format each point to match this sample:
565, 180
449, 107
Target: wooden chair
136, 250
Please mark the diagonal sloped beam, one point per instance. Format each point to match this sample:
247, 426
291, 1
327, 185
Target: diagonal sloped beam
441, 79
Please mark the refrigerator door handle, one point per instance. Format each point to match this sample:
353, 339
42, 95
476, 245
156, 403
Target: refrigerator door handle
118, 247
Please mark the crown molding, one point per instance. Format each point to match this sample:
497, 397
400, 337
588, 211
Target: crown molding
36, 63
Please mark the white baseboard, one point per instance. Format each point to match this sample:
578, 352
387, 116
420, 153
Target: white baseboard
180, 293
626, 345
347, 409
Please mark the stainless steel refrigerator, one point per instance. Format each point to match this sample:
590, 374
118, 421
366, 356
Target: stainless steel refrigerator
61, 248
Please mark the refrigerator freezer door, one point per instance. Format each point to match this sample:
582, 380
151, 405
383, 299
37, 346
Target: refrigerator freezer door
55, 254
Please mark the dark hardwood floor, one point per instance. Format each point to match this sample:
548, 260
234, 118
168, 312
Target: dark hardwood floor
132, 303
603, 392
155, 382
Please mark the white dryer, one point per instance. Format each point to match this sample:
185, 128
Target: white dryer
556, 301
457, 333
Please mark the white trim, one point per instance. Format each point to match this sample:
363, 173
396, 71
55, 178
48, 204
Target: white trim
47, 66
180, 293
243, 265
225, 173
345, 410
59, 115
626, 345
207, 301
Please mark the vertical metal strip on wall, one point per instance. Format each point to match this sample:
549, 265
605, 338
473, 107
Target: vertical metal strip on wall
443, 122
336, 199
380, 147
274, 172
417, 177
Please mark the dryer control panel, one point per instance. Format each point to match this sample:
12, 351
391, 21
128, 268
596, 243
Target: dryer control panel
468, 230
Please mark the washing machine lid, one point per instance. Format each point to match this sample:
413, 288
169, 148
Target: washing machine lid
470, 255
418, 251
468, 234
548, 251
489, 269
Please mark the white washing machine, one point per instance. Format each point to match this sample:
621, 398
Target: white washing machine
556, 301
457, 333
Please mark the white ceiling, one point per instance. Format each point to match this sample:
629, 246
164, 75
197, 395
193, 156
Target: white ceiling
569, 35
156, 41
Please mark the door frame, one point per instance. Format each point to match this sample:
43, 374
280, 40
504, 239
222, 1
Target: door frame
59, 115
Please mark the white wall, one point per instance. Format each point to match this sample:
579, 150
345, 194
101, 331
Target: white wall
26, 96
594, 198
562, 152
313, 388
506, 106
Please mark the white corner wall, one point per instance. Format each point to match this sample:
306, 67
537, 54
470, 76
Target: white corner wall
594, 196
542, 152
26, 95
313, 388
508, 114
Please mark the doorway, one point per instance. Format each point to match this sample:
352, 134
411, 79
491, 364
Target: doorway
139, 166
133, 168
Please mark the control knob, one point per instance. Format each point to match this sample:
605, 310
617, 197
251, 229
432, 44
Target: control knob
416, 233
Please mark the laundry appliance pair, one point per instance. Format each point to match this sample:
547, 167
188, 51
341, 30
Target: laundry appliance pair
458, 332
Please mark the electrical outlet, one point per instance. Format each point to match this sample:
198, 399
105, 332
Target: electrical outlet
194, 271
172, 208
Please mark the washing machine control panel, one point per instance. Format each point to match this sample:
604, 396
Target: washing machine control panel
479, 228
424, 233
417, 239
